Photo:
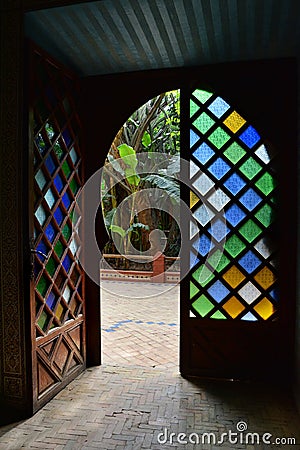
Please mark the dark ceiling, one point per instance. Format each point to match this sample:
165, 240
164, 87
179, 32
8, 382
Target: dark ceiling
113, 36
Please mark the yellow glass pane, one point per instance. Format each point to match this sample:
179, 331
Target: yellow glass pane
233, 276
193, 199
59, 312
265, 278
234, 122
233, 307
265, 308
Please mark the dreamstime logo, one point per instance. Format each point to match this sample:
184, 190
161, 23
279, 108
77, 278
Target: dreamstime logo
239, 436
95, 190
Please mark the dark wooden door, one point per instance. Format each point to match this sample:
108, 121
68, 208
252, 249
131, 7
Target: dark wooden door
236, 307
57, 287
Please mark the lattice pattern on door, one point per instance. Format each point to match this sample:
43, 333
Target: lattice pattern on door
233, 257
58, 276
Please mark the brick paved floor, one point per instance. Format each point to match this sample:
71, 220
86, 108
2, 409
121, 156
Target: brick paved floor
140, 324
136, 399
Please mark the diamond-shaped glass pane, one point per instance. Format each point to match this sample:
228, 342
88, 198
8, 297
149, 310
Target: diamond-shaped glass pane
234, 215
67, 294
218, 291
203, 275
234, 277
193, 169
49, 197
263, 154
193, 289
193, 108
59, 249
250, 137
234, 307
42, 286
58, 215
203, 153
40, 215
202, 305
218, 199
50, 164
218, 230
50, 232
51, 266
250, 230
193, 229
249, 293
203, 215
73, 156
58, 183
203, 245
73, 247
202, 96
203, 123
219, 168
263, 248
218, 107
249, 262
265, 278
193, 138
218, 261
66, 200
219, 137
51, 300
234, 184
250, 199
40, 179
234, 153
234, 121
250, 168
266, 184
265, 308
203, 184
265, 215
66, 169
67, 262
234, 246
42, 248
43, 321
66, 232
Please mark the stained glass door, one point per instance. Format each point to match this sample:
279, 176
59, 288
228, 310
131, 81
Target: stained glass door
57, 279
231, 306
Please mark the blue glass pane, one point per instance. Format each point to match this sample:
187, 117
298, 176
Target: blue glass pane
50, 232
58, 183
249, 262
250, 137
203, 215
42, 248
218, 230
193, 260
51, 300
40, 215
203, 245
203, 153
66, 200
219, 168
219, 107
234, 184
67, 263
249, 316
193, 138
49, 163
67, 137
275, 294
58, 216
218, 291
40, 144
250, 199
234, 215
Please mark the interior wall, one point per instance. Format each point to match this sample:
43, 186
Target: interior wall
297, 340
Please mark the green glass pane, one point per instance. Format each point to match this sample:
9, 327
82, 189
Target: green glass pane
202, 96
203, 275
74, 186
193, 108
66, 169
234, 246
59, 249
203, 123
43, 321
234, 153
66, 232
266, 183
40, 179
265, 215
58, 150
218, 315
51, 267
219, 137
250, 168
193, 289
250, 231
42, 286
202, 305
218, 260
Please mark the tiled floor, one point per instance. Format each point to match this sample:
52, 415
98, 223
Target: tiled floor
137, 398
